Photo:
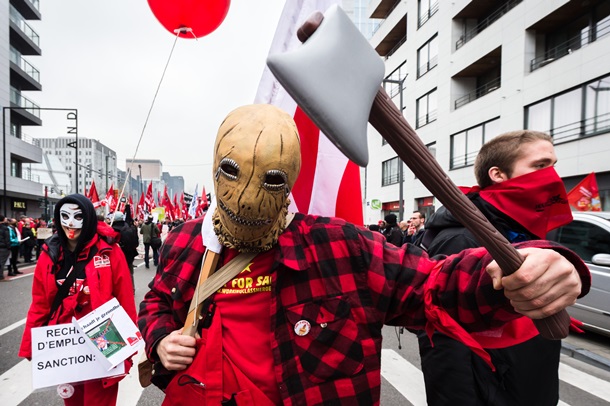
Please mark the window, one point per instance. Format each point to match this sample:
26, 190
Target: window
426, 9
585, 239
389, 172
427, 57
466, 145
16, 168
580, 112
426, 109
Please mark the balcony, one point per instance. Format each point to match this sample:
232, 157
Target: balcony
393, 39
29, 9
480, 14
383, 8
24, 75
22, 36
478, 93
578, 40
28, 112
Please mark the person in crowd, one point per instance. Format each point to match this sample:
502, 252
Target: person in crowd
82, 256
310, 306
20, 225
515, 174
150, 233
391, 231
415, 229
28, 238
374, 227
14, 246
129, 240
5, 244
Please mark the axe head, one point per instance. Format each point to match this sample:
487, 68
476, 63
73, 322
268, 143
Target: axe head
334, 77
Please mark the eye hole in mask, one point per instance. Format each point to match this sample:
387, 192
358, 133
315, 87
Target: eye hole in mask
275, 180
229, 168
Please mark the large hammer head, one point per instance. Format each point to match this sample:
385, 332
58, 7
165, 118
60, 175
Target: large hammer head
334, 77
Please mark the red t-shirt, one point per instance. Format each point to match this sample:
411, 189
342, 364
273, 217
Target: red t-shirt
244, 303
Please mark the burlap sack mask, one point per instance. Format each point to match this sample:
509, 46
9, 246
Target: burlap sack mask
257, 159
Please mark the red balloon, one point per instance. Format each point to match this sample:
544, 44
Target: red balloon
200, 16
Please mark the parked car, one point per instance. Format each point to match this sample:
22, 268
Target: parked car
589, 236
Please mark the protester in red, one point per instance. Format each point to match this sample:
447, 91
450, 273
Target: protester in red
301, 324
84, 255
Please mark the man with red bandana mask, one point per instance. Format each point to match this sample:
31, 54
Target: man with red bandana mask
523, 197
84, 254
301, 323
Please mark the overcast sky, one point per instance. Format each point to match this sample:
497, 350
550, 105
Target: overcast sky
106, 58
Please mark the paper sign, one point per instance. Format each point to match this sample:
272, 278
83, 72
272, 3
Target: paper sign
111, 333
42, 233
60, 354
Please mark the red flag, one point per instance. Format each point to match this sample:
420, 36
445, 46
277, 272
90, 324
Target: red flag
167, 203
149, 201
315, 191
93, 196
109, 200
585, 195
131, 207
185, 211
177, 211
140, 213
202, 204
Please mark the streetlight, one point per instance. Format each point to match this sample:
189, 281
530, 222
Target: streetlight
141, 188
73, 115
399, 82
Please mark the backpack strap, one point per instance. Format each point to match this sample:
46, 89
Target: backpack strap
63, 290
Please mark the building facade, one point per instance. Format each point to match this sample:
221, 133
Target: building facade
96, 162
19, 45
470, 70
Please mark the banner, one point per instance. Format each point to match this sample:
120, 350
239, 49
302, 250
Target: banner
585, 195
60, 354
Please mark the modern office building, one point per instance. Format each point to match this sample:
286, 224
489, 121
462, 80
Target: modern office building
19, 44
470, 70
96, 162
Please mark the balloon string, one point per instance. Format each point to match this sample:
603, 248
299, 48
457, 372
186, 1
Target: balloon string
127, 176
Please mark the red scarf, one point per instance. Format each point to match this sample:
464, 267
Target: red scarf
537, 200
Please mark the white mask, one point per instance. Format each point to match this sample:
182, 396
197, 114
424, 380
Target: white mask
71, 216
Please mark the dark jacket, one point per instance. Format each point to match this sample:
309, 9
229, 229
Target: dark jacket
449, 236
129, 239
393, 234
526, 371
5, 237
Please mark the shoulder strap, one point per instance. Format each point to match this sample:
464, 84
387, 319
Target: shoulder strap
63, 290
210, 281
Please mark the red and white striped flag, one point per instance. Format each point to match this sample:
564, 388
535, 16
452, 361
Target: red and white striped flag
314, 192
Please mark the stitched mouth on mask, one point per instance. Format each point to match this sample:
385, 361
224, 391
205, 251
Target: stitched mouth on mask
240, 220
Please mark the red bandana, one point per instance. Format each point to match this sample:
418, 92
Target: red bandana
538, 200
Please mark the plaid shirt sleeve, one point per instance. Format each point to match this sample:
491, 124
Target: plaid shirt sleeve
400, 278
165, 306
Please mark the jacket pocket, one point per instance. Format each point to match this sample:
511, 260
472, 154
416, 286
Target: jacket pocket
326, 339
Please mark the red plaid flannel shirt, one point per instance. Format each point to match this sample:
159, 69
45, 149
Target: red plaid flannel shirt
347, 282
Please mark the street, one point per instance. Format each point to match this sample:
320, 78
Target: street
402, 382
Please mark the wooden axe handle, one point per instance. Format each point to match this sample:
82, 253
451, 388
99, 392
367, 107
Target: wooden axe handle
390, 123
208, 266
388, 120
